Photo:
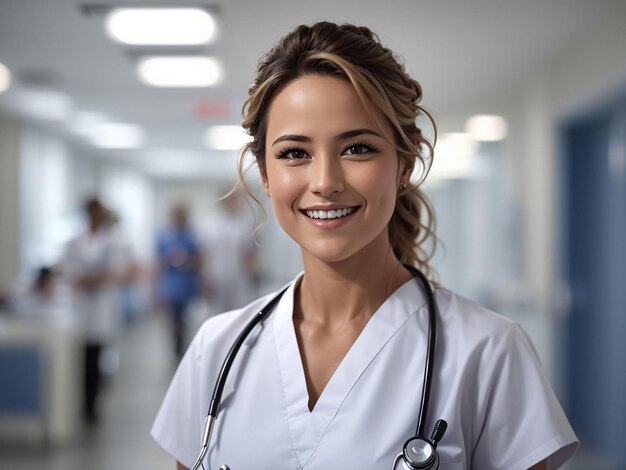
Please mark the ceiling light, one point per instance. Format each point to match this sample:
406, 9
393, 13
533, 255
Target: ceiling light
48, 105
113, 135
455, 157
226, 137
178, 71
85, 123
5, 78
174, 163
487, 127
161, 26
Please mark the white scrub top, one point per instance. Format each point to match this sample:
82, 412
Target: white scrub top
226, 241
99, 309
488, 385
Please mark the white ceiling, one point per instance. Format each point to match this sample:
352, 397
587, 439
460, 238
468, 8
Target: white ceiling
461, 51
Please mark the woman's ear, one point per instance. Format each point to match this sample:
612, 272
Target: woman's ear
407, 164
266, 184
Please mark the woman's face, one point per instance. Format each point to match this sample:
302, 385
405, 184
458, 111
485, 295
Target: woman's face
331, 176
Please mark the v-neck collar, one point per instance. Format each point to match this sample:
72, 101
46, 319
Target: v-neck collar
307, 427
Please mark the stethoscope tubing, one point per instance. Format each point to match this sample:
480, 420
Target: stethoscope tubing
432, 335
264, 312
218, 390
234, 349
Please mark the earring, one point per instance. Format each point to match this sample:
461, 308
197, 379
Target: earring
402, 185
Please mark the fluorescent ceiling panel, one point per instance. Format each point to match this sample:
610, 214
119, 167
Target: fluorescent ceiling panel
226, 137
183, 164
487, 127
5, 78
161, 26
114, 135
455, 157
85, 123
177, 71
47, 105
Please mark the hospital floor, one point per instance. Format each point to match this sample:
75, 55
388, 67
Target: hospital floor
122, 440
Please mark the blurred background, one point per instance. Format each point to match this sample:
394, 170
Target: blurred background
118, 137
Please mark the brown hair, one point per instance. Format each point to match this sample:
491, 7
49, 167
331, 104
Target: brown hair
390, 97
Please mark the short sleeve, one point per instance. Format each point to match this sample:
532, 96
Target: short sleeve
523, 422
179, 423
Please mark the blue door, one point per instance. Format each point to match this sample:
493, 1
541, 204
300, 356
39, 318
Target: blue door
594, 248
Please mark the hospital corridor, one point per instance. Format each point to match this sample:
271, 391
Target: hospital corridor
122, 440
297, 217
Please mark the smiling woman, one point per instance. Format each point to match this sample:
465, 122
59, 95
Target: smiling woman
326, 156
381, 91
361, 346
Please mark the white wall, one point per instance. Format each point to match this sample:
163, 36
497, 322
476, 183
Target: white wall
132, 196
46, 198
587, 71
9, 205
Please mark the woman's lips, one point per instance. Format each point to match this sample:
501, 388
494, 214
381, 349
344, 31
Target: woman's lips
330, 218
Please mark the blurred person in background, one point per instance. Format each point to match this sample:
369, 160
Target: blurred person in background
230, 255
179, 278
44, 297
4, 301
96, 263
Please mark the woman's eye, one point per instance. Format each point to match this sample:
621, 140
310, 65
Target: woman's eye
292, 154
358, 149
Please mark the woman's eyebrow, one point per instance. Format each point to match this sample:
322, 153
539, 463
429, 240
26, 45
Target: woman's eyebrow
342, 136
356, 132
292, 137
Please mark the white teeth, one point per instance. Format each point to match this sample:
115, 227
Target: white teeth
331, 214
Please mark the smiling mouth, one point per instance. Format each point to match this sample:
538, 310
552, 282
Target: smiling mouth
330, 214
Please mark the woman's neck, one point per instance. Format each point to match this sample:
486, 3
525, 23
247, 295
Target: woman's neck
334, 293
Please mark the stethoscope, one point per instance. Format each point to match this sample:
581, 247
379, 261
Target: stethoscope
418, 451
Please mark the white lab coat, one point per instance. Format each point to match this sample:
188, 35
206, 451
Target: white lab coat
226, 242
98, 311
488, 385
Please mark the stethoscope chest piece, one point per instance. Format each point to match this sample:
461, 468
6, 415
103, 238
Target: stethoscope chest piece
418, 453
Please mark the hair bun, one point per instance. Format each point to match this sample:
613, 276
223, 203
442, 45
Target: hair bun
361, 31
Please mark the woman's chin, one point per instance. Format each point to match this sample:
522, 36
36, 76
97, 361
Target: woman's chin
329, 253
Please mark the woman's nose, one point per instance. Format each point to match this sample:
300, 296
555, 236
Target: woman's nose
327, 176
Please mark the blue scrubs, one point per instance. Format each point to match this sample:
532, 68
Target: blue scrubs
180, 280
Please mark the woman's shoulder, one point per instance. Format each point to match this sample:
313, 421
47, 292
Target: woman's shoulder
454, 306
471, 325
222, 329
506, 395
